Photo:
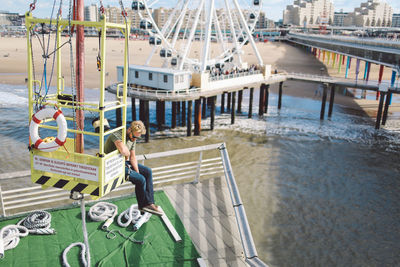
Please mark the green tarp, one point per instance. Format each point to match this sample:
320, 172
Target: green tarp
159, 248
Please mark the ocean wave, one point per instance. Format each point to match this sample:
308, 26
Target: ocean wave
8, 99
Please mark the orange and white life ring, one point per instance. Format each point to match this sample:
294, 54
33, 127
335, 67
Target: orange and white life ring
49, 143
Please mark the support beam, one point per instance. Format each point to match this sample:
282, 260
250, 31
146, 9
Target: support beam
280, 95
331, 100
323, 102
142, 114
261, 101
266, 97
183, 113
133, 102
222, 102
233, 108
204, 109
228, 104
173, 117
197, 116
251, 103
386, 108
118, 116
159, 114
212, 119
240, 98
379, 114
189, 118
147, 120
381, 68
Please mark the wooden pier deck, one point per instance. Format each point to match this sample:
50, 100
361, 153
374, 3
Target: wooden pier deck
206, 211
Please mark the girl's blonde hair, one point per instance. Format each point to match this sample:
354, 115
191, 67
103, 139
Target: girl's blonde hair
138, 126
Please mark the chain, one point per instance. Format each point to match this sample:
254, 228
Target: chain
71, 59
111, 234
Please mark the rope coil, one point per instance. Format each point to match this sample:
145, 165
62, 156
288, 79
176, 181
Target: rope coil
10, 236
103, 211
131, 215
38, 222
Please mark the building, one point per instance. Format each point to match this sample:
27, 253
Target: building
91, 13
11, 19
396, 20
309, 13
339, 17
372, 13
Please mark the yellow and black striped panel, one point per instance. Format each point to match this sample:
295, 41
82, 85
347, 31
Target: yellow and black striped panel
69, 185
113, 184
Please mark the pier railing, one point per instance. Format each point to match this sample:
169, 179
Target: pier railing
192, 164
233, 75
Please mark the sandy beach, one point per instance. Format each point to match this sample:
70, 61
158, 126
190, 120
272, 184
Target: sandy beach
282, 56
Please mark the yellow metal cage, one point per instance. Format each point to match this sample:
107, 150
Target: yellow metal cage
94, 174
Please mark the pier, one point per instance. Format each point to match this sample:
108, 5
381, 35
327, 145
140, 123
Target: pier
231, 97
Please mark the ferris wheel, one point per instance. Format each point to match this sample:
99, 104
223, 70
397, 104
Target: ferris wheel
199, 35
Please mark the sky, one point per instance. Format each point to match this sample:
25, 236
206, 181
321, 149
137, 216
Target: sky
272, 8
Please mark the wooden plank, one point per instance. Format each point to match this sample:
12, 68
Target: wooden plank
10, 175
170, 227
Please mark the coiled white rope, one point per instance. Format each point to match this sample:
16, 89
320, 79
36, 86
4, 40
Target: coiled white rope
131, 215
38, 222
10, 236
103, 211
85, 246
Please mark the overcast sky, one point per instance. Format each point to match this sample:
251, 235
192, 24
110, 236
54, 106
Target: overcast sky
272, 8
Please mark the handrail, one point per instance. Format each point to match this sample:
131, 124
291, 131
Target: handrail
233, 75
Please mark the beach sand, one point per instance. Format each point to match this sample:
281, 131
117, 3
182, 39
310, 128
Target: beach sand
282, 56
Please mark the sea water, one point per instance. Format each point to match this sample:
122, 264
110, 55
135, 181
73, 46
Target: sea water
316, 193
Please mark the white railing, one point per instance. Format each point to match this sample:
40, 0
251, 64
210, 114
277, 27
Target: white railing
157, 92
233, 75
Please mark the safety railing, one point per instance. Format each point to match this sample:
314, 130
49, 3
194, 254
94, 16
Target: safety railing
233, 75
195, 163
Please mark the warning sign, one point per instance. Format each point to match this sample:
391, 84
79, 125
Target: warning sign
114, 166
68, 168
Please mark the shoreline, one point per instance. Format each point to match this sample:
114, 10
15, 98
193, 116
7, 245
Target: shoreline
282, 56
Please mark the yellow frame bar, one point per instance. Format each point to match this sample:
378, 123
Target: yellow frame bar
101, 107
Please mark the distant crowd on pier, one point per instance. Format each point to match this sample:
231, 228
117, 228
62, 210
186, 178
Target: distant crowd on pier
217, 71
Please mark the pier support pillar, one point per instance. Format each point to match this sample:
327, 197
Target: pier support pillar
347, 66
212, 119
323, 102
240, 98
178, 107
204, 108
381, 68
266, 97
228, 104
146, 113
261, 100
280, 95
379, 114
159, 114
118, 116
251, 102
223, 102
133, 102
197, 116
183, 113
173, 117
141, 110
233, 108
189, 118
386, 108
331, 100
